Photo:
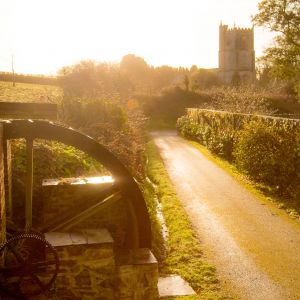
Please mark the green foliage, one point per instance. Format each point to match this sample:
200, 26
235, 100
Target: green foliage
240, 99
270, 153
203, 78
281, 16
186, 82
53, 160
137, 70
158, 243
214, 129
167, 107
170, 104
88, 79
96, 102
92, 113
120, 129
150, 80
283, 59
266, 148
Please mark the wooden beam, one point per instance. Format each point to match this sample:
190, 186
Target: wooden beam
29, 184
87, 213
8, 177
16, 110
2, 189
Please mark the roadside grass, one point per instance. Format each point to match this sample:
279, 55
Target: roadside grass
158, 244
263, 192
27, 92
183, 254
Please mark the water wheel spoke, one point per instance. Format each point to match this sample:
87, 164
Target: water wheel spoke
38, 281
16, 254
20, 279
93, 199
88, 212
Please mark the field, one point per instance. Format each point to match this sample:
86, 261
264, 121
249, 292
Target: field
26, 92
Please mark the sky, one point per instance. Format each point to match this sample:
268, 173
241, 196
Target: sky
44, 35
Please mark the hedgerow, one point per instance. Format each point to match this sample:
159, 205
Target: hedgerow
266, 148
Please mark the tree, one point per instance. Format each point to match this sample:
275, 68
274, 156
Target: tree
280, 16
137, 70
203, 78
186, 82
93, 80
283, 59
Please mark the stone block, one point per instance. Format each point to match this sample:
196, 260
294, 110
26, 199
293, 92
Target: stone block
137, 273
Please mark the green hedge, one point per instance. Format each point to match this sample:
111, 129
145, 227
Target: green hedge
266, 148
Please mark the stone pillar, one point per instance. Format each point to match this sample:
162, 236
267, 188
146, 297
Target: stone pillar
87, 265
137, 273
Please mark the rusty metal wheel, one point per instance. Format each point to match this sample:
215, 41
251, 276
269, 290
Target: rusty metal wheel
29, 266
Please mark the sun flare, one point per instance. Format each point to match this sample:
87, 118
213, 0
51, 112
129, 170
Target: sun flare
45, 35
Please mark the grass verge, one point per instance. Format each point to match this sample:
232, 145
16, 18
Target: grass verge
261, 191
183, 255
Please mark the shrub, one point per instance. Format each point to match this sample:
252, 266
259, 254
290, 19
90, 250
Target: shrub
119, 128
269, 154
170, 104
215, 130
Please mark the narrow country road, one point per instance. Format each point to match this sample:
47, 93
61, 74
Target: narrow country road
254, 246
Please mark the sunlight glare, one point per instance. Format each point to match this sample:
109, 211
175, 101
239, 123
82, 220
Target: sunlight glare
45, 35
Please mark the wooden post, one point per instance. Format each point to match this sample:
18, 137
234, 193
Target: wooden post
29, 184
13, 71
16, 110
2, 189
8, 177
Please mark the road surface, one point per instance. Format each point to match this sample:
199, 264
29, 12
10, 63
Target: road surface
254, 246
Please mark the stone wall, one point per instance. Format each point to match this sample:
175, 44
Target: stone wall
91, 268
137, 275
87, 265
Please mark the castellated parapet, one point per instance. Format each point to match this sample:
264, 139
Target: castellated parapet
236, 55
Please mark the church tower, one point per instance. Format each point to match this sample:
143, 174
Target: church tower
236, 55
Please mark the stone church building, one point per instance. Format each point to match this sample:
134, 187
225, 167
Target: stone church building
236, 55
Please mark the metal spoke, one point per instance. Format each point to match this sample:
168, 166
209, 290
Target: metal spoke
16, 254
37, 280
20, 280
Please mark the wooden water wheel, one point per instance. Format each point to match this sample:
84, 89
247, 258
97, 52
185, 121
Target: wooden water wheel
21, 260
